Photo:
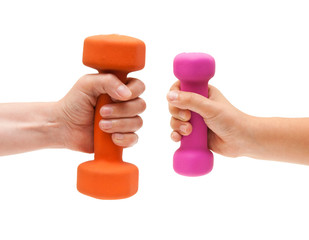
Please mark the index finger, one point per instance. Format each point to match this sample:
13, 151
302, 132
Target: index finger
136, 86
175, 86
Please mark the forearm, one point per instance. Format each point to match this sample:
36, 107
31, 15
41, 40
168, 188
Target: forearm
28, 126
281, 139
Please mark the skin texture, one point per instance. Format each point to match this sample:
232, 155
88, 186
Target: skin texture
68, 123
233, 133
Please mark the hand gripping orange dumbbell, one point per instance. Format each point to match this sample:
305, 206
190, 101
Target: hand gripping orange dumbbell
107, 176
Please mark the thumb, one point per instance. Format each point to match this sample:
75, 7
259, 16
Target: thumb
193, 102
102, 83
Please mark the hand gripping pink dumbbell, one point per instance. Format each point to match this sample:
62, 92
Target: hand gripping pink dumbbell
194, 70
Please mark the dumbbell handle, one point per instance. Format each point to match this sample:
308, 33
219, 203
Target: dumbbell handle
104, 147
197, 140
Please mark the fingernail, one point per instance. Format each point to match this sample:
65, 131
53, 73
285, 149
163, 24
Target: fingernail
106, 111
172, 95
106, 124
174, 136
118, 136
124, 91
183, 128
182, 115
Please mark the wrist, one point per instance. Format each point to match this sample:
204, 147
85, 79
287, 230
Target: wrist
53, 127
254, 140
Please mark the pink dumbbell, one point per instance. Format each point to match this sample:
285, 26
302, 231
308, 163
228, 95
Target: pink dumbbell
194, 70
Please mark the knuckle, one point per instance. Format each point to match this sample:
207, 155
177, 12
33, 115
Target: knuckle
189, 98
84, 81
108, 76
143, 105
116, 124
188, 115
134, 138
174, 123
174, 111
171, 109
141, 85
85, 77
108, 79
184, 99
139, 122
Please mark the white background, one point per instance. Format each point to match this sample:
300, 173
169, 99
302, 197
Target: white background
261, 51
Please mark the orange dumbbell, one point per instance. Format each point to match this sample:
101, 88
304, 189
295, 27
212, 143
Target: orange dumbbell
107, 176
